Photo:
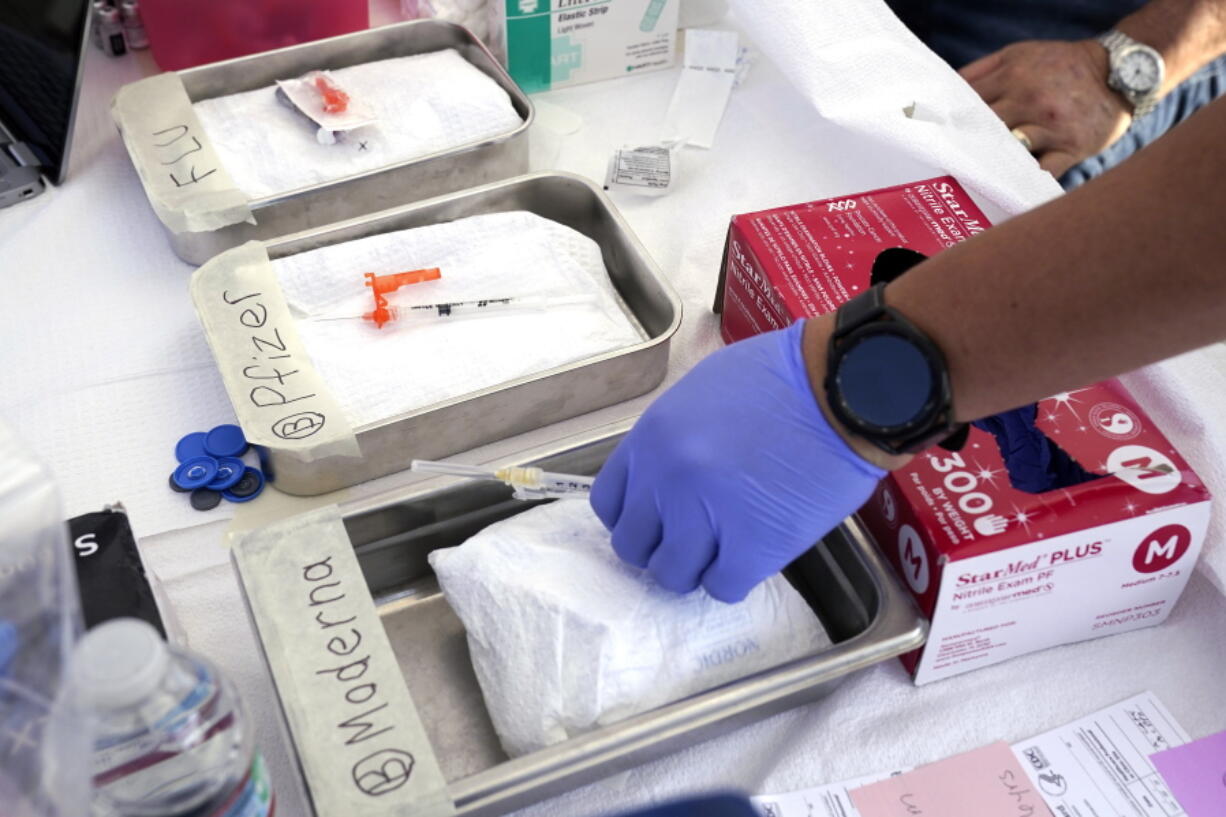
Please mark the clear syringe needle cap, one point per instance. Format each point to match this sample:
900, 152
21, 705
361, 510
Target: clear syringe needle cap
528, 482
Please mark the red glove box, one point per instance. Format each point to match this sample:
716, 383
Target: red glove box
998, 571
807, 259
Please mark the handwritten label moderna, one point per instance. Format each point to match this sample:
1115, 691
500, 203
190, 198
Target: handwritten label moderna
388, 767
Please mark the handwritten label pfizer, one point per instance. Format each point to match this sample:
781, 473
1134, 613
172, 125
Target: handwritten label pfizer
280, 399
183, 176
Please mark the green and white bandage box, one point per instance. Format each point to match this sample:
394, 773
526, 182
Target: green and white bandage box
555, 43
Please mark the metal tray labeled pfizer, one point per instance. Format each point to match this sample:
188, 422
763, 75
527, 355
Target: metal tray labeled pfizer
411, 632
501, 410
457, 168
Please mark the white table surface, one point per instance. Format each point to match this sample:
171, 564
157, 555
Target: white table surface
104, 366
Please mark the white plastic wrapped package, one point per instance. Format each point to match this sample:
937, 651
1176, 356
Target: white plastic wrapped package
376, 374
565, 638
425, 103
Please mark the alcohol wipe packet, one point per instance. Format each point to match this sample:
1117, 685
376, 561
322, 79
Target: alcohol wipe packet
566, 638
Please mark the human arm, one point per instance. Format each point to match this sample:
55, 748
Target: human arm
736, 470
1056, 92
1127, 270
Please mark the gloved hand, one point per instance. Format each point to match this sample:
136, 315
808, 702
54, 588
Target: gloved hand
732, 473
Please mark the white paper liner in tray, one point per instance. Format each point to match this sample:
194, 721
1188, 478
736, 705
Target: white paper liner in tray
425, 103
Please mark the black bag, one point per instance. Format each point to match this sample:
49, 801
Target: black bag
110, 574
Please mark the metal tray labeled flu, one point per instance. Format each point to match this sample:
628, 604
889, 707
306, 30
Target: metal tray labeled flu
848, 586
458, 168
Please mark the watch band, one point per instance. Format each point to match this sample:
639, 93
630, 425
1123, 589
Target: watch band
866, 307
1115, 42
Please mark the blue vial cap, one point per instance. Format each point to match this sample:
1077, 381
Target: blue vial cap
225, 441
192, 445
229, 471
247, 488
195, 473
10, 642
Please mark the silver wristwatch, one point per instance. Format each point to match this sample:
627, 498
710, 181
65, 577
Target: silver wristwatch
1136, 70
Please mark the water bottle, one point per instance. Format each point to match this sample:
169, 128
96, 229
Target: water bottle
43, 750
170, 735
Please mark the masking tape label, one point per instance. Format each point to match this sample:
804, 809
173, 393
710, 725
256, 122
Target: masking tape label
355, 727
280, 399
182, 174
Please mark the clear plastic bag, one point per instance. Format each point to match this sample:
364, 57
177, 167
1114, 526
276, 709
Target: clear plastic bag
45, 750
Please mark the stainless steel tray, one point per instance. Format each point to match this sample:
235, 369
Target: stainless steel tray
845, 581
519, 405
461, 167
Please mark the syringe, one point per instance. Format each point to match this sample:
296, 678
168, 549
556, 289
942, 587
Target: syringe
447, 310
529, 483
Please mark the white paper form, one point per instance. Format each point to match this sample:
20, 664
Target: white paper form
706, 83
1100, 765
1097, 766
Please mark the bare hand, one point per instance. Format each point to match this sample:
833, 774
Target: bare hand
1056, 94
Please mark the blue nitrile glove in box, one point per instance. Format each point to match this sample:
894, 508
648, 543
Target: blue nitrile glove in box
732, 473
1034, 462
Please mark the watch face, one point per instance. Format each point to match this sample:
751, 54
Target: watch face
885, 382
1139, 70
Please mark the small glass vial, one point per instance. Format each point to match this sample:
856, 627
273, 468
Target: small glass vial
110, 28
95, 22
133, 25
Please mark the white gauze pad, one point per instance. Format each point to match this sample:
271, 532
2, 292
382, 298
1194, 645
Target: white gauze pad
425, 104
565, 637
376, 374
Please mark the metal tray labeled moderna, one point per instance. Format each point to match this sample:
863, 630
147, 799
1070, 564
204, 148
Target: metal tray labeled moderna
457, 168
386, 541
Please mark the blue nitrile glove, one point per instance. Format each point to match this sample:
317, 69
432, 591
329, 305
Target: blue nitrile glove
1034, 461
732, 473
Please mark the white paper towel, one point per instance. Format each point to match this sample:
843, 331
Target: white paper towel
425, 103
566, 638
376, 373
1180, 395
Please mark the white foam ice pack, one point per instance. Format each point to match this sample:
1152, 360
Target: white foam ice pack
565, 638
376, 374
424, 104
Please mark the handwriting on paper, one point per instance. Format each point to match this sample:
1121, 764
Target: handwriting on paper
985, 781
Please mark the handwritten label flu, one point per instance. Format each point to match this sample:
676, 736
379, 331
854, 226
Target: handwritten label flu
183, 176
985, 782
1196, 775
175, 147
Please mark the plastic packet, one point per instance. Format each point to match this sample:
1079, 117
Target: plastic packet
319, 97
648, 170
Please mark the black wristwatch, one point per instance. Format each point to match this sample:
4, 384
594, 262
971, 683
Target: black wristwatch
886, 380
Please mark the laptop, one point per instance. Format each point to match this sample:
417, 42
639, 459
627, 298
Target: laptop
42, 46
